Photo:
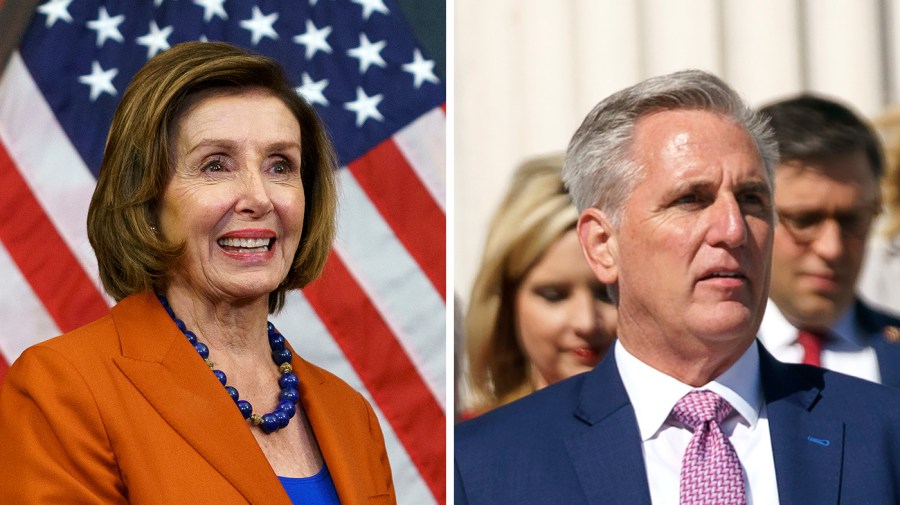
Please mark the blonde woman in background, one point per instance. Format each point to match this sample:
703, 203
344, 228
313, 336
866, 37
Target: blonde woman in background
879, 282
537, 313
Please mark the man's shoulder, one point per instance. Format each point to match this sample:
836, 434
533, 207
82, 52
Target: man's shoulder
550, 406
845, 395
874, 319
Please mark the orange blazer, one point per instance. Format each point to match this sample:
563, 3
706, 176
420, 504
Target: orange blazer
123, 411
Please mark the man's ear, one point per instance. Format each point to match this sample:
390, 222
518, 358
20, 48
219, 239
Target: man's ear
598, 242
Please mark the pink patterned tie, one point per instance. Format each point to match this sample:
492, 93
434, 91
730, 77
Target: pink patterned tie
711, 471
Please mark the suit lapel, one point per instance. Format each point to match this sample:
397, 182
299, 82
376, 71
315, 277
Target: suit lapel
324, 417
607, 455
163, 366
807, 446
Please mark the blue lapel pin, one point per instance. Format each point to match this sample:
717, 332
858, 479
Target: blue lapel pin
821, 441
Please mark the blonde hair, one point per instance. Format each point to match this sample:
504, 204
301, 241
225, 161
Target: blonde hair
122, 216
888, 126
533, 215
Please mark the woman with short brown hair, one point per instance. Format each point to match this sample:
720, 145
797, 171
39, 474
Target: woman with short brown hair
216, 195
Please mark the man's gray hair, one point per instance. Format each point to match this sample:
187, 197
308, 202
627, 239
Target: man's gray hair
600, 169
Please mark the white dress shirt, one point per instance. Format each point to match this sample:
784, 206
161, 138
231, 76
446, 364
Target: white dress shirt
845, 352
653, 394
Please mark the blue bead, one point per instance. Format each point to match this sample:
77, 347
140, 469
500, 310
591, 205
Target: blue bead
276, 341
282, 417
190, 336
287, 407
202, 350
221, 376
270, 327
269, 423
246, 408
180, 324
289, 380
289, 394
163, 300
282, 356
233, 392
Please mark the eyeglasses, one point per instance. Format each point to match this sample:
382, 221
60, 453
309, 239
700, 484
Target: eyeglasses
807, 226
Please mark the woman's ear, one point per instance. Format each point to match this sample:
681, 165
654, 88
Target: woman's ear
598, 242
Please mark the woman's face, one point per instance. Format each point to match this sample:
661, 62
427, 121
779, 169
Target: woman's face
564, 321
235, 196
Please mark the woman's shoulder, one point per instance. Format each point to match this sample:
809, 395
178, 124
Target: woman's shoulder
87, 346
78, 344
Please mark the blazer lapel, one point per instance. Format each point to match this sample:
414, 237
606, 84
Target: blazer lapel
163, 366
607, 455
807, 447
343, 463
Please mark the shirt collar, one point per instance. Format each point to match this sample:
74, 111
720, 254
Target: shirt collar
653, 394
778, 332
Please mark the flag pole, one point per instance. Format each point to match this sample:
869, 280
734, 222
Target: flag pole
14, 18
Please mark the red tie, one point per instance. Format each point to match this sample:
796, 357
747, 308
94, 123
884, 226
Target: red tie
812, 346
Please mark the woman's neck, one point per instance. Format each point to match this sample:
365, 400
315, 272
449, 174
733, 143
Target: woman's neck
234, 326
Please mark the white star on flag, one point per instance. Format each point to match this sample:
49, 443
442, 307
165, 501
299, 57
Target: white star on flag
370, 6
156, 40
314, 39
99, 80
421, 69
312, 90
107, 27
365, 107
56, 10
212, 8
368, 53
261, 25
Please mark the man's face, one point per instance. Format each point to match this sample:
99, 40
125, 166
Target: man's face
693, 251
826, 209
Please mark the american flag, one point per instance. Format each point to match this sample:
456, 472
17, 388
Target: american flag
376, 317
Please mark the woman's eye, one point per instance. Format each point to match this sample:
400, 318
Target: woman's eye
552, 294
214, 166
282, 167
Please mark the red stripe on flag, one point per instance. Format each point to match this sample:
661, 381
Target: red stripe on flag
42, 255
4, 366
385, 369
417, 221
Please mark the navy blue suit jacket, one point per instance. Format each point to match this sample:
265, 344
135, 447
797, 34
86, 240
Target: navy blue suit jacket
577, 442
874, 323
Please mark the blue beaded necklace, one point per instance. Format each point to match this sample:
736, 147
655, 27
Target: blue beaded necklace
281, 355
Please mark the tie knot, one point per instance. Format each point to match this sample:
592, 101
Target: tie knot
698, 407
817, 337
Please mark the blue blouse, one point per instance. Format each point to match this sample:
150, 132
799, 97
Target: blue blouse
316, 490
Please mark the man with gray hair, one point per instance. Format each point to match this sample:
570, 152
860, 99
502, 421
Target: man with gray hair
673, 178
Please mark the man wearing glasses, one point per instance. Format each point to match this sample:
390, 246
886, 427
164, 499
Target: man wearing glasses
826, 198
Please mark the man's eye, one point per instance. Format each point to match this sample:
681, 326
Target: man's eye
805, 220
689, 200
